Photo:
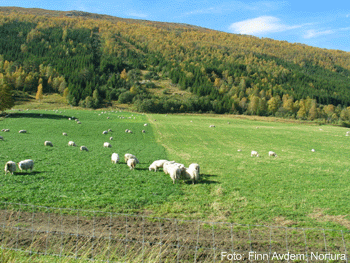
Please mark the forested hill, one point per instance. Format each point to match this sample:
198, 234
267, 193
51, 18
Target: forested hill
95, 59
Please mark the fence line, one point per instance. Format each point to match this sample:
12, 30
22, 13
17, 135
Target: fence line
116, 237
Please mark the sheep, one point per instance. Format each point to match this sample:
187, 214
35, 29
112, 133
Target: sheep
111, 138
128, 156
211, 126
192, 174
143, 131
127, 130
174, 172
78, 122
254, 154
271, 153
10, 167
115, 158
239, 150
347, 133
48, 143
109, 130
26, 164
194, 166
107, 145
166, 165
22, 131
313, 150
83, 148
157, 164
71, 143
1, 138
104, 132
131, 163
64, 134
145, 124
5, 130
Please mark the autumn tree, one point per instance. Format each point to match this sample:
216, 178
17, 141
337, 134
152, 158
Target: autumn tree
39, 93
6, 99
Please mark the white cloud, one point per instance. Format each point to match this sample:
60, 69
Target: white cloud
140, 15
260, 25
313, 33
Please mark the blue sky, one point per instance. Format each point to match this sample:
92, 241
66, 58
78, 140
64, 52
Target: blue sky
324, 24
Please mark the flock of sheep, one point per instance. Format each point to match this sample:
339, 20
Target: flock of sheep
175, 170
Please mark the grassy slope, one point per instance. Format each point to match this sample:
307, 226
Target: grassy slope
66, 177
294, 189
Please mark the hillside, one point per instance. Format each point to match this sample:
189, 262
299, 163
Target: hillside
95, 60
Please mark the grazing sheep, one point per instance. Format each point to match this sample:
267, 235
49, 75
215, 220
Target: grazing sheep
192, 173
166, 165
239, 150
128, 156
174, 172
64, 134
271, 153
104, 132
131, 163
313, 150
194, 166
254, 154
115, 158
111, 138
22, 131
10, 167
69, 119
347, 133
71, 143
5, 130
211, 126
109, 130
157, 164
48, 143
145, 124
83, 148
143, 131
26, 164
129, 131
78, 122
107, 145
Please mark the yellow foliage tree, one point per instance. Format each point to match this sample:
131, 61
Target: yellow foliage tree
39, 93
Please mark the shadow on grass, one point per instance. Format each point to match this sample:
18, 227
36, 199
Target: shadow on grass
37, 115
29, 173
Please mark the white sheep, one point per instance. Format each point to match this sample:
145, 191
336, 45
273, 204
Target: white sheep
254, 154
143, 131
10, 167
107, 145
115, 158
109, 130
71, 143
192, 173
22, 131
64, 134
48, 143
313, 150
26, 164
83, 148
194, 166
166, 165
347, 133
174, 172
5, 130
127, 130
145, 124
157, 164
271, 153
128, 156
211, 126
111, 138
78, 122
104, 132
131, 163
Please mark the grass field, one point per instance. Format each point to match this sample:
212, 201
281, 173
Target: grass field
298, 188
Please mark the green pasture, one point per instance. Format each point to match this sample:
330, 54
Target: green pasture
64, 176
298, 188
